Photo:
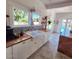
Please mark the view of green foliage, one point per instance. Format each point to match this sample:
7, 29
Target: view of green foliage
20, 16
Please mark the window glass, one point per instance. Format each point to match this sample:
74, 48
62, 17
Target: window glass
20, 17
69, 20
64, 20
49, 23
63, 27
35, 18
66, 27
69, 25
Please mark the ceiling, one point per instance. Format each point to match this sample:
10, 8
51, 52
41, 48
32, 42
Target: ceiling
56, 3
49, 4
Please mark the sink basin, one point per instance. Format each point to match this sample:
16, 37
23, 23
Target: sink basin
35, 33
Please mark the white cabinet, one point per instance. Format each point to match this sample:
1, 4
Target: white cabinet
21, 50
40, 40
9, 53
26, 48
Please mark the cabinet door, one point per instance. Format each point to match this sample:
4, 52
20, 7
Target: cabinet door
41, 40
21, 50
9, 53
38, 41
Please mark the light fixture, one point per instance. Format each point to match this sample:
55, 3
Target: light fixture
32, 10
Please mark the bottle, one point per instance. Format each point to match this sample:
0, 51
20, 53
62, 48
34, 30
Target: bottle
21, 33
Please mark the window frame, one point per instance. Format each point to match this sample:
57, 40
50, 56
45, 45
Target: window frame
39, 20
66, 26
23, 9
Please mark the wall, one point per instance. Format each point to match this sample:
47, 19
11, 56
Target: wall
59, 17
26, 5
9, 10
37, 4
59, 12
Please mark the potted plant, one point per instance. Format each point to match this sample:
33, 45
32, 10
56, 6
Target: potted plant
49, 22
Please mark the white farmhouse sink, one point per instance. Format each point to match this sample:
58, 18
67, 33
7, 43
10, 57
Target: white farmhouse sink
35, 33
44, 36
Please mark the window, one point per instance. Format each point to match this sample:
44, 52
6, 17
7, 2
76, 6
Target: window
35, 18
63, 27
66, 27
50, 24
20, 17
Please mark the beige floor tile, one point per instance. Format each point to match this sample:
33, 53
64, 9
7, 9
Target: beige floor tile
49, 50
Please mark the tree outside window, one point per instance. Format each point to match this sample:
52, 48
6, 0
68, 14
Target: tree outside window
20, 17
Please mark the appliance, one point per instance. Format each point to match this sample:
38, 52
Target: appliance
10, 34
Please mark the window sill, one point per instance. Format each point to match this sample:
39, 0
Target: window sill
37, 25
21, 26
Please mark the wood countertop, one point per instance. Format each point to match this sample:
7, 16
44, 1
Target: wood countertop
18, 40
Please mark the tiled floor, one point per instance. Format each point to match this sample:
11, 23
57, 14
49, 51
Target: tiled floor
61, 56
49, 50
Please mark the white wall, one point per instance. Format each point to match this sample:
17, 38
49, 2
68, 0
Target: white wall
57, 13
60, 17
9, 10
37, 4
25, 5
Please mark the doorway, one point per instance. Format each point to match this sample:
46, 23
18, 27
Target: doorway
66, 27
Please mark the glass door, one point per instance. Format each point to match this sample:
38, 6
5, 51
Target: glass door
50, 24
66, 27
63, 27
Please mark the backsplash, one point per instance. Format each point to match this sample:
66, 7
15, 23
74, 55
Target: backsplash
28, 28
